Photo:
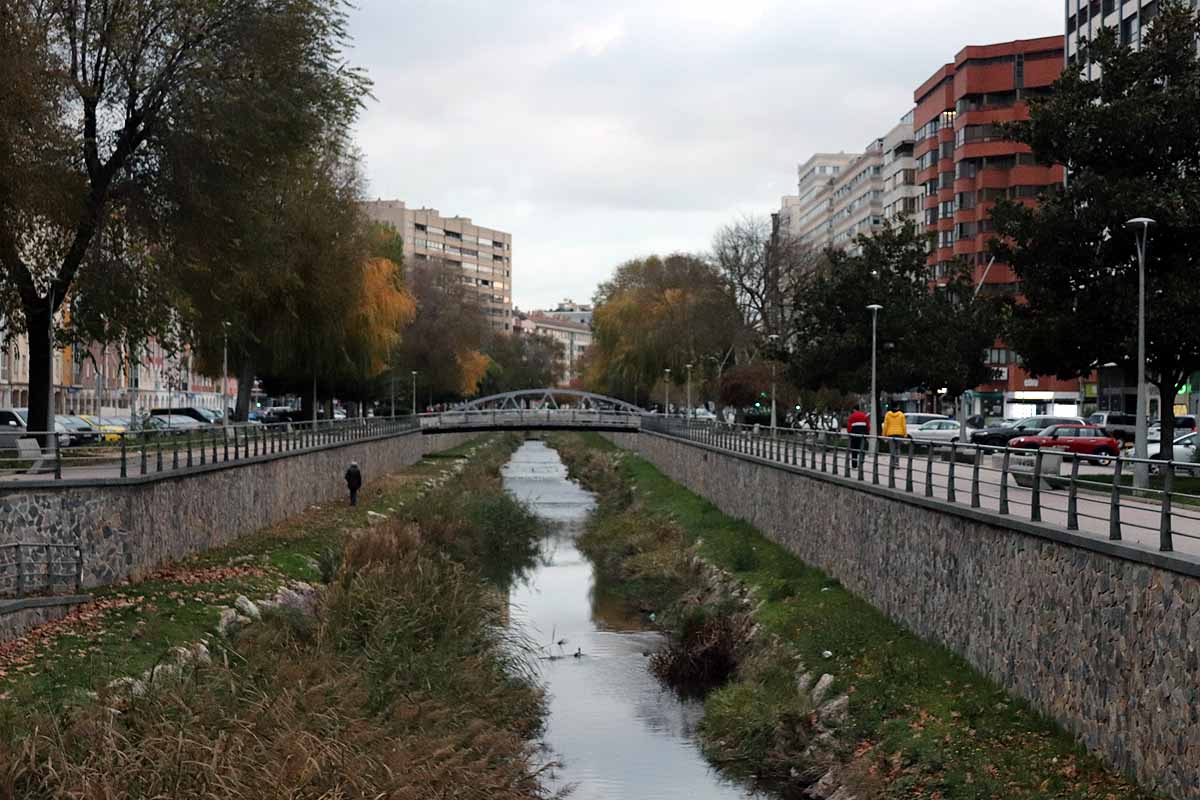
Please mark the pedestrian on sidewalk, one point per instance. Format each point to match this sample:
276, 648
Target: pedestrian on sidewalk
353, 482
858, 425
894, 423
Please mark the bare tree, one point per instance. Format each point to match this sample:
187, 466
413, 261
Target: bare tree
763, 265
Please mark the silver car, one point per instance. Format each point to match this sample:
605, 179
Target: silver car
1184, 453
937, 431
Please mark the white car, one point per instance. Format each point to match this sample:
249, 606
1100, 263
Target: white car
937, 431
703, 413
1184, 452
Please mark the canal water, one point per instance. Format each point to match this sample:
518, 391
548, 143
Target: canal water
616, 731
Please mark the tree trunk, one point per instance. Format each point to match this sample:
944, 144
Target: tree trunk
41, 371
245, 377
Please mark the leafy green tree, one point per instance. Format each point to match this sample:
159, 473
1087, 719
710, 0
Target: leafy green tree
1131, 145
101, 80
521, 361
928, 337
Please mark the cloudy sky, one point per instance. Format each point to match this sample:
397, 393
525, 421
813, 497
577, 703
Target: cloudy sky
596, 131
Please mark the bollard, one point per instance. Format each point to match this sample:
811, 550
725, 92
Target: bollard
951, 489
1114, 503
1073, 497
975, 480
1035, 501
1165, 540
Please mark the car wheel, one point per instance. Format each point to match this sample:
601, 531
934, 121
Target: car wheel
1103, 456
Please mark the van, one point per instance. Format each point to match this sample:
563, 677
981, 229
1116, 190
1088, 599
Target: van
1117, 425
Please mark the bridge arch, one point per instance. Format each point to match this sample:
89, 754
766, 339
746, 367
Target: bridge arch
546, 398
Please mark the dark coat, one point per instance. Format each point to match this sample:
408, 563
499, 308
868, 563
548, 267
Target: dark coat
353, 479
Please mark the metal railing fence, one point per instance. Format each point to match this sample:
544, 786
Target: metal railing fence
532, 417
1090, 494
103, 454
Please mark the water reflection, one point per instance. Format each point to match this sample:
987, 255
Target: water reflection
617, 732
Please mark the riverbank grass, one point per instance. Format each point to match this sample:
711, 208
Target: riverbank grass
922, 722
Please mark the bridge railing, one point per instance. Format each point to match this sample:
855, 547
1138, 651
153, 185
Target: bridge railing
531, 418
1091, 494
112, 454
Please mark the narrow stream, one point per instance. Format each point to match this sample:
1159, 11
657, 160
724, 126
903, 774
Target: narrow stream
615, 729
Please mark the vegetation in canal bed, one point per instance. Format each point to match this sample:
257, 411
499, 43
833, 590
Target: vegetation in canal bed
405, 685
921, 723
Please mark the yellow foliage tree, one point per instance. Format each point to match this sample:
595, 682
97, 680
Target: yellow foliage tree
472, 367
385, 308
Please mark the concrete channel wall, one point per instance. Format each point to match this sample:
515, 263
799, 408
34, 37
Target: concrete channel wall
1102, 638
126, 529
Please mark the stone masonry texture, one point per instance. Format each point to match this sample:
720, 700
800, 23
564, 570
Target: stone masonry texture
128, 530
1104, 645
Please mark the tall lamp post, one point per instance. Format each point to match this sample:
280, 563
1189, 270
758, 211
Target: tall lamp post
1141, 472
667, 390
225, 374
874, 308
689, 391
414, 377
773, 338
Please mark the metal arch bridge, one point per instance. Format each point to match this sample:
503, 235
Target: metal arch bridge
537, 409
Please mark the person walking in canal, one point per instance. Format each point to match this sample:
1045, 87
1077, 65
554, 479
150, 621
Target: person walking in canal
353, 482
858, 426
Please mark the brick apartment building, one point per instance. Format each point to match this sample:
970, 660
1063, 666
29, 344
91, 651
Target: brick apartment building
964, 166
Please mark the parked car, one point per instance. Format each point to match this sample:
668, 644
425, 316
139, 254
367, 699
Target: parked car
12, 427
22, 415
1001, 435
1089, 441
171, 425
202, 415
1183, 452
1118, 425
110, 428
701, 413
917, 419
82, 431
1183, 424
936, 431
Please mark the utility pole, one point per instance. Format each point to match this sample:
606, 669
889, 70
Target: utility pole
875, 308
225, 374
667, 390
689, 390
773, 338
414, 377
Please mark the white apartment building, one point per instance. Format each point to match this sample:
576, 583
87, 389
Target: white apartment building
807, 214
902, 195
857, 199
1085, 18
483, 254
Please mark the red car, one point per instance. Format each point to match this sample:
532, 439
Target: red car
1082, 440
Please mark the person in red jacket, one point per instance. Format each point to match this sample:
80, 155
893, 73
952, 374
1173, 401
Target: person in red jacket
858, 426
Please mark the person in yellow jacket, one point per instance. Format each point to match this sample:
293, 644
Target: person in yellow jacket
894, 423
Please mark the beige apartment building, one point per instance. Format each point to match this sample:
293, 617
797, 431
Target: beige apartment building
857, 199
902, 194
575, 337
484, 255
807, 214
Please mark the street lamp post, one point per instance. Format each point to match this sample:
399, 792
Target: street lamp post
874, 308
225, 374
1141, 472
773, 338
667, 390
689, 391
414, 377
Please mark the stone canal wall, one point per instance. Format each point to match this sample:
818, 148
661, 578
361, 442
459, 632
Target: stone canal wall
1103, 638
126, 529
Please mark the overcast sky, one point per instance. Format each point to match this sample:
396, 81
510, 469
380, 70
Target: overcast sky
596, 131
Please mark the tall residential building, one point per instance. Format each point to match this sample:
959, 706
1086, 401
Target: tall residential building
1086, 18
484, 255
901, 192
965, 165
857, 199
808, 216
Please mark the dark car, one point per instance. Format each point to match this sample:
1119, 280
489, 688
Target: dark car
202, 415
1001, 435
